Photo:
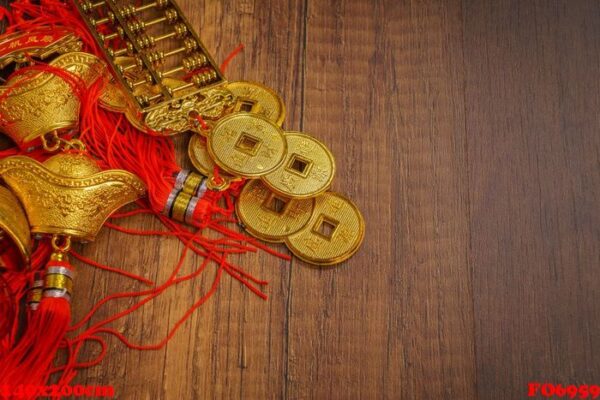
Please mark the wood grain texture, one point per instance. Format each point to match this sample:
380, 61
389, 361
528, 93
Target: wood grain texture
382, 88
532, 98
467, 132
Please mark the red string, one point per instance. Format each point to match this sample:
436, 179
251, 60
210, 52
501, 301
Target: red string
117, 144
4, 13
110, 269
177, 325
90, 334
202, 122
127, 214
231, 56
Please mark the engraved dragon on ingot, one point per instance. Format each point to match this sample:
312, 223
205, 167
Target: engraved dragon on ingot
69, 194
211, 105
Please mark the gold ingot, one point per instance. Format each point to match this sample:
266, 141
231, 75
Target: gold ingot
307, 171
68, 194
41, 43
113, 98
258, 99
270, 217
135, 118
334, 233
40, 102
14, 223
247, 145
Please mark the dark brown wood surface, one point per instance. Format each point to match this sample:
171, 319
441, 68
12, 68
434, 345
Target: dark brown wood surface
468, 134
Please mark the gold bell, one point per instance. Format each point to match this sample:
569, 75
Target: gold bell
69, 194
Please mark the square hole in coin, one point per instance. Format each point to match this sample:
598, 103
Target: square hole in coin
299, 165
248, 144
246, 105
276, 204
325, 227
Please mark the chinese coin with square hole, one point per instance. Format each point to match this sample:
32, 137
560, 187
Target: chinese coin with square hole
269, 216
256, 98
307, 171
247, 145
333, 234
199, 156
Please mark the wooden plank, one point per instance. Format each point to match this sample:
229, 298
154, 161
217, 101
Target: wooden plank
235, 345
383, 88
467, 132
500, 180
532, 93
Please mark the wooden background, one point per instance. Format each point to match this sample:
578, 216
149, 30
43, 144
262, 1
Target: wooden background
468, 133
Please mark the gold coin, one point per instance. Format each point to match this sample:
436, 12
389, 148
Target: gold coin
113, 98
247, 145
135, 118
307, 171
333, 234
271, 217
258, 99
199, 156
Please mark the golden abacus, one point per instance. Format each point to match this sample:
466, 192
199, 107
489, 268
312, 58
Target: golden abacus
163, 66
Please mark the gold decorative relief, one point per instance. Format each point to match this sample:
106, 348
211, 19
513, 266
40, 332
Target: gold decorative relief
40, 102
13, 222
179, 117
42, 43
69, 194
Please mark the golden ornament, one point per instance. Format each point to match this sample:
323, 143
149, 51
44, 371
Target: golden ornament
68, 194
40, 43
13, 222
271, 217
113, 98
166, 89
333, 234
307, 171
37, 103
247, 145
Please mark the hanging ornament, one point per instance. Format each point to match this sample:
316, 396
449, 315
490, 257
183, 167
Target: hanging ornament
69, 198
36, 101
92, 93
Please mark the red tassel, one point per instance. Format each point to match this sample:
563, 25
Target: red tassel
116, 143
14, 283
31, 360
119, 145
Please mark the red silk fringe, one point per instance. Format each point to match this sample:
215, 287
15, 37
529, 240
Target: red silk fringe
116, 144
30, 361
